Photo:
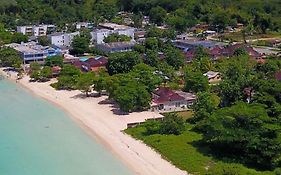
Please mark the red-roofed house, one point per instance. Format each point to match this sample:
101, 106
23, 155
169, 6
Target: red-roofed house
165, 99
91, 64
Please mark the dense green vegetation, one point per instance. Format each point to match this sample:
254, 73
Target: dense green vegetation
185, 152
237, 121
7, 37
10, 58
116, 38
178, 14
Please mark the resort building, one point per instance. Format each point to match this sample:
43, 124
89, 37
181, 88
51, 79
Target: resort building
62, 39
213, 77
31, 51
167, 100
116, 47
107, 29
40, 30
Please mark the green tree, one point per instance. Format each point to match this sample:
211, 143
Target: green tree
174, 57
10, 58
152, 127
145, 75
172, 124
195, 82
46, 73
85, 82
132, 97
204, 105
80, 45
227, 131
19, 37
151, 43
68, 78
122, 62
157, 15
54, 61
35, 66
151, 58
44, 41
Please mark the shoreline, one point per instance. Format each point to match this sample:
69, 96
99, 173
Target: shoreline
102, 124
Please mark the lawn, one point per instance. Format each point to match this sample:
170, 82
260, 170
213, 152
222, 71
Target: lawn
183, 153
184, 114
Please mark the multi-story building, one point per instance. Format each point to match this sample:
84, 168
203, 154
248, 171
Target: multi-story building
31, 51
107, 29
62, 39
40, 30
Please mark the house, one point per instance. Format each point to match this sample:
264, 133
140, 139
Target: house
106, 29
166, 99
62, 39
116, 47
39, 30
31, 51
90, 63
230, 50
213, 77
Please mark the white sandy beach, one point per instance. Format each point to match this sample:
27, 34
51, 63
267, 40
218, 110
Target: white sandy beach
101, 121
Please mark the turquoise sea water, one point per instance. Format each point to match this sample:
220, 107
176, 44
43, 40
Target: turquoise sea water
37, 138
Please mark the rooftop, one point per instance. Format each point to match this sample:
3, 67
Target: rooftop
113, 26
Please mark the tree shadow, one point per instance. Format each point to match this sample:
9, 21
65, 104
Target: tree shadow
224, 155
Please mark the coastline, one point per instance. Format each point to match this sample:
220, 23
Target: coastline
99, 120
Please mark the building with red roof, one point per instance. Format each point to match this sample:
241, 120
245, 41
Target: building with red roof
91, 64
166, 99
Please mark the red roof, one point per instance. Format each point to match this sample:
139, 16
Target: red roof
216, 51
96, 62
165, 94
91, 64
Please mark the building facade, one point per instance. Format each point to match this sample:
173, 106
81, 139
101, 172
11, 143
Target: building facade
107, 29
40, 30
62, 39
31, 51
168, 100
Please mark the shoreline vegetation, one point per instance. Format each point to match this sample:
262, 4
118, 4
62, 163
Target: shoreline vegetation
96, 116
186, 152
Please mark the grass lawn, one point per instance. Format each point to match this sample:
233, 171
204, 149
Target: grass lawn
183, 114
183, 153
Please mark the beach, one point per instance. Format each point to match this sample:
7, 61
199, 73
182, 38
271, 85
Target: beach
105, 123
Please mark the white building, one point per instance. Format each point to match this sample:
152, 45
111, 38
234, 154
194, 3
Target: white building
62, 39
110, 28
84, 25
40, 30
